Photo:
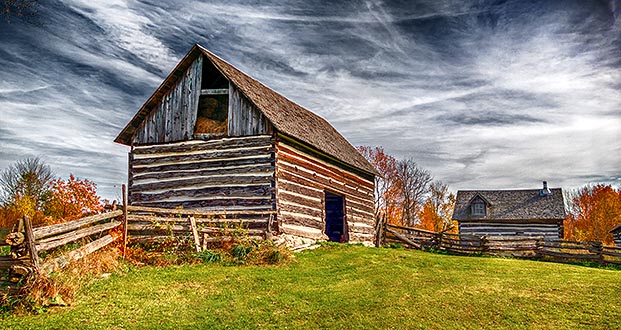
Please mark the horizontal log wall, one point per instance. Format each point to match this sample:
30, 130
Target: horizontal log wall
618, 239
174, 116
228, 173
510, 229
301, 182
147, 224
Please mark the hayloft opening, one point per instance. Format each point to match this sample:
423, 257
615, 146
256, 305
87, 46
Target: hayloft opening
335, 218
213, 103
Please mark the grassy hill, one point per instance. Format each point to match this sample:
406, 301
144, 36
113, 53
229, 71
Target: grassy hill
348, 287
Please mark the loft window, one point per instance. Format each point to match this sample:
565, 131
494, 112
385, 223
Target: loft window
478, 209
213, 103
212, 114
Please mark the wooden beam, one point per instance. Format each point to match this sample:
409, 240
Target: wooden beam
217, 91
77, 254
75, 235
195, 234
30, 241
68, 226
133, 208
124, 192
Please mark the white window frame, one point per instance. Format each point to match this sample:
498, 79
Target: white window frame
478, 209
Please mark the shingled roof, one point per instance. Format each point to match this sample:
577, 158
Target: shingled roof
510, 205
285, 115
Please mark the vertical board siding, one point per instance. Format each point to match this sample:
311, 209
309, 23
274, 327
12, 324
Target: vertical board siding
174, 116
244, 118
229, 173
509, 229
301, 182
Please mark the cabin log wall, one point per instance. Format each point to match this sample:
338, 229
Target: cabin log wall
175, 114
229, 173
301, 182
617, 237
548, 230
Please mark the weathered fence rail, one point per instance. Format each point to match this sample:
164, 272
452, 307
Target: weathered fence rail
149, 224
28, 243
529, 247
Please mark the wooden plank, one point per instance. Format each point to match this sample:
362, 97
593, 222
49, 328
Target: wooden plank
77, 254
133, 208
124, 191
30, 242
75, 235
216, 194
261, 167
197, 243
292, 154
192, 146
203, 156
547, 253
215, 91
255, 203
46, 231
403, 238
219, 180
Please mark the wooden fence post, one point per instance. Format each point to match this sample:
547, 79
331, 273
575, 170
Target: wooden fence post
598, 248
124, 191
379, 231
34, 257
197, 243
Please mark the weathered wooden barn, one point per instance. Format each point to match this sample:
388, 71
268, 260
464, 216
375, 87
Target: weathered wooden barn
616, 232
529, 212
212, 137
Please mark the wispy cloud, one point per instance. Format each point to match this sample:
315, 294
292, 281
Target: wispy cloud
485, 94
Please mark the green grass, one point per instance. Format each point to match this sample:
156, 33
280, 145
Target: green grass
346, 287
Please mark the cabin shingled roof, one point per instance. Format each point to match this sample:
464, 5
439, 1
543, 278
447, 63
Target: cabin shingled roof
616, 229
524, 204
287, 116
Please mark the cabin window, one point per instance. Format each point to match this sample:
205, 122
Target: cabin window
478, 209
213, 103
212, 115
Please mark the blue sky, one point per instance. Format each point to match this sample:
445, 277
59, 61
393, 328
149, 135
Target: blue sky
483, 94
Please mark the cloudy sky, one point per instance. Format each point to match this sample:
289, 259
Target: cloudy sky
483, 94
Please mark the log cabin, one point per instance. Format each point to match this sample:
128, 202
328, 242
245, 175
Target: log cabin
526, 212
616, 232
212, 137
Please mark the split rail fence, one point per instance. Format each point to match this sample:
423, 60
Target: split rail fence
528, 247
69, 241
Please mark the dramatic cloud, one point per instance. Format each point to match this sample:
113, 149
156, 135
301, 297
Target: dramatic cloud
485, 94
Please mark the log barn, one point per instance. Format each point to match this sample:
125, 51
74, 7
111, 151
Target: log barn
211, 137
524, 212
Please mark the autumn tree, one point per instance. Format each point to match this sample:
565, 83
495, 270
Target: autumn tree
385, 183
412, 186
592, 212
72, 199
25, 186
437, 212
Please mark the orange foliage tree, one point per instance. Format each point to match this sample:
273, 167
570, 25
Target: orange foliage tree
437, 212
72, 199
386, 184
593, 212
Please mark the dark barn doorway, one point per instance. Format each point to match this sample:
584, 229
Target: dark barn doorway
335, 216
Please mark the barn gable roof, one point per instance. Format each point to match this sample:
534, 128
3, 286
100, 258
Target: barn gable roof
518, 205
286, 116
